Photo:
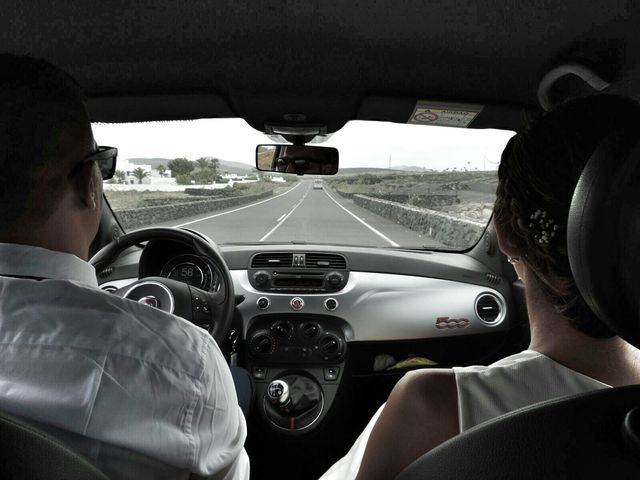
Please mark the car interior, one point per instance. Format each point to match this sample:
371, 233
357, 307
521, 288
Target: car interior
344, 321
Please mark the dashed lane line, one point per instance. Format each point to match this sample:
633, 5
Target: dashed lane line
284, 218
237, 209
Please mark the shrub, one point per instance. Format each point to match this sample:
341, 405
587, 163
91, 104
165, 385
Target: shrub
183, 179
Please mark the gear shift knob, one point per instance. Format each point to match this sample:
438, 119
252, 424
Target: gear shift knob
278, 393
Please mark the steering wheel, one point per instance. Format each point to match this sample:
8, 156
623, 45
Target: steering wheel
210, 310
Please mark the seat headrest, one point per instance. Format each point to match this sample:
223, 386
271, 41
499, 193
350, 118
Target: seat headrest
603, 234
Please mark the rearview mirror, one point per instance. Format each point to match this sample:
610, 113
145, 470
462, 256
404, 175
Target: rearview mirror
298, 159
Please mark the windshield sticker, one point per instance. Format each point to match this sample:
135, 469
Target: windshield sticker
444, 114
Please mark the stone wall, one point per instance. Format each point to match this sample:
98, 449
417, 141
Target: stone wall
449, 230
132, 219
205, 192
348, 195
419, 200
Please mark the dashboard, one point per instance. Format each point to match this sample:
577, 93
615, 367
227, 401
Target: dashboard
305, 312
381, 295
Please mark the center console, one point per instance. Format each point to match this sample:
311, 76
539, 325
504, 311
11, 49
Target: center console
296, 343
297, 362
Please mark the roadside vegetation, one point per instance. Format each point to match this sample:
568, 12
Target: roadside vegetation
466, 194
135, 199
431, 182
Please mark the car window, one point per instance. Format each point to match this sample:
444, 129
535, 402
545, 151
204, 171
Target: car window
398, 185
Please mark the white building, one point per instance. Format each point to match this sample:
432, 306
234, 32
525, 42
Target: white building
152, 177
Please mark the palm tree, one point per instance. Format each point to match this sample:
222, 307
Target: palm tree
161, 170
203, 163
120, 176
215, 163
208, 169
140, 173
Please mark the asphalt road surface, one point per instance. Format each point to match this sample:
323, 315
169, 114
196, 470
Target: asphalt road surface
302, 214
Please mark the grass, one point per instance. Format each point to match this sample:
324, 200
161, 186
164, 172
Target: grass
411, 183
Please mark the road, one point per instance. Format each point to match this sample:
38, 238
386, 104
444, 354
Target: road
302, 214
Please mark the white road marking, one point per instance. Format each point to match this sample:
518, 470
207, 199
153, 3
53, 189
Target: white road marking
283, 215
377, 232
282, 219
238, 209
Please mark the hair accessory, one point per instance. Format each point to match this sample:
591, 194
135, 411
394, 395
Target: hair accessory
543, 228
513, 260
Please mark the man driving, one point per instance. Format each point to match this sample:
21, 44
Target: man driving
140, 392
305, 159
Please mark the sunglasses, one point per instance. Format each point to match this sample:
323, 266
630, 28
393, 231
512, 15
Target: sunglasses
105, 158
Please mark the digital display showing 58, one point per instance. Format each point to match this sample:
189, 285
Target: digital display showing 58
189, 269
187, 273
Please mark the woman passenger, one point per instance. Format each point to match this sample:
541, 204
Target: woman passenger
571, 350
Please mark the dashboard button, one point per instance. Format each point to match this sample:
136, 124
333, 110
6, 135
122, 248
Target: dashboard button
259, 373
262, 343
283, 329
310, 330
331, 304
335, 280
263, 303
261, 278
297, 303
331, 373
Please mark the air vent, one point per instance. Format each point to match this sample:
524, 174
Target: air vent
489, 309
106, 272
272, 260
492, 278
326, 260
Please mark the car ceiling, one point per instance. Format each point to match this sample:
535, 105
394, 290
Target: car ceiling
329, 60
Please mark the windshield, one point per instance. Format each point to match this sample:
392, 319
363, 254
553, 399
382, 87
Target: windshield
398, 185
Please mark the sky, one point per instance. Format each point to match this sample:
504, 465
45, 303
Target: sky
360, 143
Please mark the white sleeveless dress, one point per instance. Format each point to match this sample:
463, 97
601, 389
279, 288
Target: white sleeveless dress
485, 392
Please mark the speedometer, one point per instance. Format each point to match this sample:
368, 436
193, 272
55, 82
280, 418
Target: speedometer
190, 269
188, 272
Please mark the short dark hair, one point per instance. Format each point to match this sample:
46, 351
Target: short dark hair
39, 105
538, 172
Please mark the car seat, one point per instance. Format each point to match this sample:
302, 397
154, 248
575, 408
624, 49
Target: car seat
28, 453
593, 435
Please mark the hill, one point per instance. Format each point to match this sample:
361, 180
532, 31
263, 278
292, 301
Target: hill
235, 167
348, 171
411, 168
225, 165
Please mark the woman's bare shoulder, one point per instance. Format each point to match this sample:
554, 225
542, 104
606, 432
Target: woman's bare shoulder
421, 413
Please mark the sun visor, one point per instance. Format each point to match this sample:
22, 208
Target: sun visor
440, 113
146, 108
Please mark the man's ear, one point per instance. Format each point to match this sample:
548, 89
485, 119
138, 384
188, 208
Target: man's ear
86, 186
505, 243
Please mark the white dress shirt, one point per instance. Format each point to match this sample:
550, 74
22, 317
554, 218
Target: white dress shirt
141, 393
